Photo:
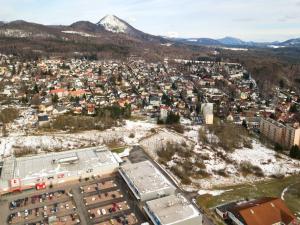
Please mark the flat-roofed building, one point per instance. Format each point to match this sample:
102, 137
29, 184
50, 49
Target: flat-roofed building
173, 210
273, 130
145, 181
53, 168
284, 134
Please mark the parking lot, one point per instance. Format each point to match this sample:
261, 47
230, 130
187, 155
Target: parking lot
103, 197
98, 200
129, 219
42, 208
108, 202
98, 186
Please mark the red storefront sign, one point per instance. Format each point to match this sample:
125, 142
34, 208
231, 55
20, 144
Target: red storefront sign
15, 184
40, 186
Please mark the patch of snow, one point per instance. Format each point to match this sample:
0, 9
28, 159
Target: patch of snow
15, 33
212, 192
158, 141
83, 34
167, 44
275, 46
266, 159
64, 141
217, 161
235, 49
125, 153
23, 34
113, 24
284, 191
192, 132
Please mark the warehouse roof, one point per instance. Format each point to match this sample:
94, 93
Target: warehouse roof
55, 163
146, 177
172, 209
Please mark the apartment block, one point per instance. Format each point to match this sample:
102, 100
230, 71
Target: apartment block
286, 135
292, 135
207, 111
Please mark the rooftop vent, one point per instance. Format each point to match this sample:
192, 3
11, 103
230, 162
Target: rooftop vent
68, 160
100, 149
170, 203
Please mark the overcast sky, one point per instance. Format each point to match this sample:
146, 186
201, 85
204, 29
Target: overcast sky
257, 20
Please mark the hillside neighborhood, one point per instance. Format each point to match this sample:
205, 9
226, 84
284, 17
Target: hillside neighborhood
204, 124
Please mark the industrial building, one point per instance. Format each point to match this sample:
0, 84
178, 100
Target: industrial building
145, 181
174, 209
42, 170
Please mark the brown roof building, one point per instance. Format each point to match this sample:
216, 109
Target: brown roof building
264, 211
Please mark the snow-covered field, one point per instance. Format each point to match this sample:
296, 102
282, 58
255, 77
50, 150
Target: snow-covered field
64, 141
215, 160
267, 160
141, 132
159, 140
83, 34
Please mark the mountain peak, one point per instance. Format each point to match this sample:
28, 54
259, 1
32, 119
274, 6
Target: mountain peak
110, 17
231, 41
113, 24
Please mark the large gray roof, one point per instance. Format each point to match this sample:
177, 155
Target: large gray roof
146, 177
54, 163
173, 209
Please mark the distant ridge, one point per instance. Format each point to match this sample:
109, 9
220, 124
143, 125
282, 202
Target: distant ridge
112, 24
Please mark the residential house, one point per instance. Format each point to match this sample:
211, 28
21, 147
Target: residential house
263, 211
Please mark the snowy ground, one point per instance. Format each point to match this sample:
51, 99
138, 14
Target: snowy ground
27, 118
212, 192
215, 160
159, 140
62, 141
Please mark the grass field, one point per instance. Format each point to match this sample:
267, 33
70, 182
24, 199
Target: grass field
270, 188
118, 149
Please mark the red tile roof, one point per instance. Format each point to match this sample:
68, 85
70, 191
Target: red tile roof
265, 211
